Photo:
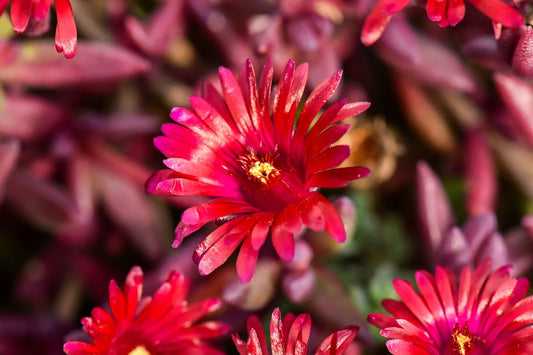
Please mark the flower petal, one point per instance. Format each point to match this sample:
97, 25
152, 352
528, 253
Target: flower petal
66, 33
499, 12
337, 177
285, 225
20, 14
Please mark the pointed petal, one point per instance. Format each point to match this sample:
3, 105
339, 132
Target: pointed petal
277, 338
66, 33
281, 109
216, 235
3, 4
298, 334
328, 159
211, 210
337, 177
436, 11
434, 211
255, 324
219, 252
261, 230
481, 182
499, 12
455, 11
20, 14
314, 103
285, 225
517, 94
338, 342
315, 145
41, 8
319, 214
98, 63
9, 153
374, 25
454, 250
246, 260
234, 99
80, 348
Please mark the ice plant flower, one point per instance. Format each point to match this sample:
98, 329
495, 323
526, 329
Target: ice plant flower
289, 337
484, 313
24, 12
260, 160
444, 12
161, 324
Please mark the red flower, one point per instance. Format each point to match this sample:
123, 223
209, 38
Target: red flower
260, 159
162, 324
22, 11
486, 313
290, 336
444, 12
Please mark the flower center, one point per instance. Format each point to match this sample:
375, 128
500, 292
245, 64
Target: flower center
139, 350
260, 169
462, 340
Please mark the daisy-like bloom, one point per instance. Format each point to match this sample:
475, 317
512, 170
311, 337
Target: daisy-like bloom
261, 159
289, 337
484, 313
444, 12
161, 324
25, 12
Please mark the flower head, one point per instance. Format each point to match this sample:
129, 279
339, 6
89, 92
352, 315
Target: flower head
484, 313
260, 160
34, 13
162, 324
444, 12
289, 336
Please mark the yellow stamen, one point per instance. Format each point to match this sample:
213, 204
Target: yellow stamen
139, 350
462, 339
260, 169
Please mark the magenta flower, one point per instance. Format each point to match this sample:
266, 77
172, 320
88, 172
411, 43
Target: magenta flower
290, 336
33, 13
260, 160
444, 12
484, 313
162, 324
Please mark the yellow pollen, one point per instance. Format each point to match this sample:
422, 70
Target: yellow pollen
261, 169
139, 350
462, 340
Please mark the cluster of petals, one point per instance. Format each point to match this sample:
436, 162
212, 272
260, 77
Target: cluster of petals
290, 336
24, 12
484, 313
162, 324
444, 12
262, 160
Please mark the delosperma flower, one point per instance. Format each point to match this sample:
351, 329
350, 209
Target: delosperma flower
161, 324
481, 313
290, 336
260, 160
23, 12
444, 12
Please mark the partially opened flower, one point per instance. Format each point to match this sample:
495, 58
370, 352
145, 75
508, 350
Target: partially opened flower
34, 14
452, 246
262, 159
444, 12
290, 336
162, 324
483, 313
